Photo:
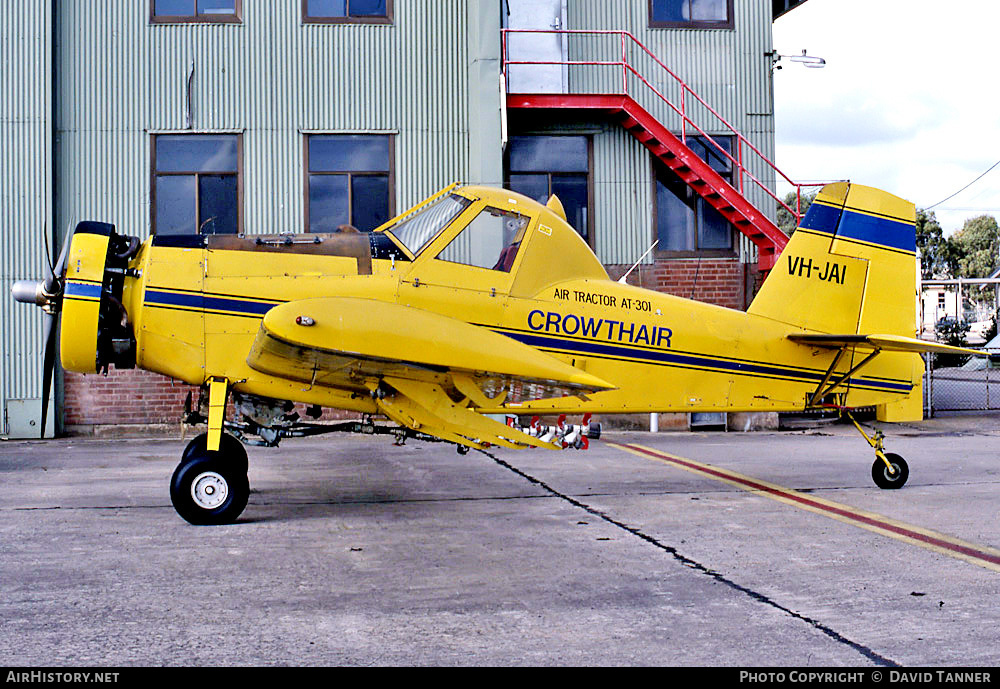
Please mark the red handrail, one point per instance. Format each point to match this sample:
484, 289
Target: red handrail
686, 121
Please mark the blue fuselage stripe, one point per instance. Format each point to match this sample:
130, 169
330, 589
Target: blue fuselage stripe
205, 302
688, 360
242, 307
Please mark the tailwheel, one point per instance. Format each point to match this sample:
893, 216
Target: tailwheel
211, 487
889, 470
884, 478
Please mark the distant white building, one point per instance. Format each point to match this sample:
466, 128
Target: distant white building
937, 303
944, 301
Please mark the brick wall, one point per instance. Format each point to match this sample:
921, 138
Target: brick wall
721, 281
137, 397
122, 397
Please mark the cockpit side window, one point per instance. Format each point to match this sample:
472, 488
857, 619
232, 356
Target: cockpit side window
418, 230
490, 241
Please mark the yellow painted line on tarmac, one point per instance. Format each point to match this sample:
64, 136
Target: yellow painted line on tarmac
983, 556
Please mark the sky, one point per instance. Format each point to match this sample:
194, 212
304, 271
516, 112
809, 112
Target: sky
908, 101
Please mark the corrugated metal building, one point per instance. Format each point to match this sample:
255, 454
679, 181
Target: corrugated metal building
96, 100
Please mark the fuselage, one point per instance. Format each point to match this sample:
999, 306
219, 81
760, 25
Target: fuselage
196, 306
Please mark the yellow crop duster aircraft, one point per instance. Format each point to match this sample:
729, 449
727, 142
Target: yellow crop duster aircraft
479, 302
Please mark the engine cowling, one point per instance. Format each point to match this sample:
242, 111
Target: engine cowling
95, 327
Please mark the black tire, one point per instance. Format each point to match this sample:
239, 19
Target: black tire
229, 446
883, 479
208, 488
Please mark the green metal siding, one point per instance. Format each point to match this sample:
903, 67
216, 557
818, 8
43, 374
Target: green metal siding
271, 78
25, 168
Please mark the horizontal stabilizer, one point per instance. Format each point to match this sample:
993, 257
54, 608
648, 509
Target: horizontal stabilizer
885, 343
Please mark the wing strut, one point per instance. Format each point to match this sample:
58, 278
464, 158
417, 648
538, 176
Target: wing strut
825, 387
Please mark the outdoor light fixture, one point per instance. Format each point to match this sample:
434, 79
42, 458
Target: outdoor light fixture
809, 61
805, 60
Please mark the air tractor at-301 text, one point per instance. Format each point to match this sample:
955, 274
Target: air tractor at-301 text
478, 303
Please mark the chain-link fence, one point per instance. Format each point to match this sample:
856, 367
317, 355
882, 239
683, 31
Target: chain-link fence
950, 385
960, 312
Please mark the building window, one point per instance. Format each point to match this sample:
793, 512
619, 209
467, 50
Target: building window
174, 11
691, 14
539, 166
347, 11
684, 221
196, 184
350, 181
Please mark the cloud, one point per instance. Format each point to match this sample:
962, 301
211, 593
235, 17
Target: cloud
842, 122
904, 103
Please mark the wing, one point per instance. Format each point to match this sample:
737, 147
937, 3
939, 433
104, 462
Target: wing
885, 343
425, 371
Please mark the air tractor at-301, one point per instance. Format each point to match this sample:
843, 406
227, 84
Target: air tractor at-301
478, 304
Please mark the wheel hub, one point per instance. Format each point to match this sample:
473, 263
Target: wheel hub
209, 490
891, 475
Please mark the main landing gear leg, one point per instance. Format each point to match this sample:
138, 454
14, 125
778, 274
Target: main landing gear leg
210, 484
889, 470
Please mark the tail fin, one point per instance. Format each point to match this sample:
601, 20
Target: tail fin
849, 268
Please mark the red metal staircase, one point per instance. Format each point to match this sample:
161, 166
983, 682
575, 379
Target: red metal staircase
727, 198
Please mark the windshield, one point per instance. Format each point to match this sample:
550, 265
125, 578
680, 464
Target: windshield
417, 230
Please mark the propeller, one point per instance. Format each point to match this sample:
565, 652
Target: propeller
48, 294
112, 336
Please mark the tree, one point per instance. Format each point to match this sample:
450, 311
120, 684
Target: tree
977, 246
786, 221
938, 254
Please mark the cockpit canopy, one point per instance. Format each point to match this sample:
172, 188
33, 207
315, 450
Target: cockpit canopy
498, 230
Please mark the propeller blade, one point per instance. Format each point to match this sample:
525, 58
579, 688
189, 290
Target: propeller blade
64, 254
60, 268
49, 362
48, 251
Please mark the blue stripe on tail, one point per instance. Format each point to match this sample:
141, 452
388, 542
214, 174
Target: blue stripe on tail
850, 224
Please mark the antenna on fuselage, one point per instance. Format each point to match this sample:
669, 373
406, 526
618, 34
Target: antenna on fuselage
634, 265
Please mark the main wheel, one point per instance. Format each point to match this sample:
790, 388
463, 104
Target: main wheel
229, 446
209, 488
882, 477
